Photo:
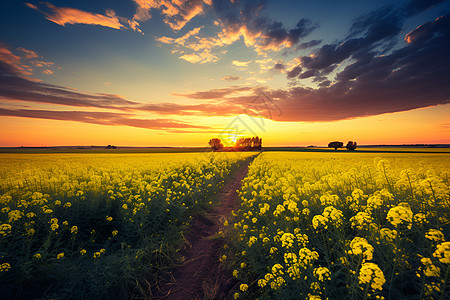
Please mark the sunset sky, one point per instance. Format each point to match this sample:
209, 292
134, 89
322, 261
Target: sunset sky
177, 73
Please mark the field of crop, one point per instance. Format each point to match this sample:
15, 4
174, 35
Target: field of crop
342, 226
92, 226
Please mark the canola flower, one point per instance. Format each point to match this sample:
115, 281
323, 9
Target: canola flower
4, 267
5, 229
322, 273
59, 206
442, 252
400, 215
361, 221
353, 213
370, 274
360, 247
429, 269
435, 235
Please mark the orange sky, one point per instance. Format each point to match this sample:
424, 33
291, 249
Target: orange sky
177, 73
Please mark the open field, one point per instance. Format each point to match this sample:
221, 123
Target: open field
101, 225
137, 150
99, 150
309, 225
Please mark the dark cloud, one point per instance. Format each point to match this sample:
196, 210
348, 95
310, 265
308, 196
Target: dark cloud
245, 18
231, 78
414, 76
101, 118
222, 109
294, 72
14, 86
367, 33
215, 93
309, 44
307, 74
417, 6
279, 67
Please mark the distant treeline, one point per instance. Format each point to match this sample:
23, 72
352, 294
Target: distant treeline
242, 144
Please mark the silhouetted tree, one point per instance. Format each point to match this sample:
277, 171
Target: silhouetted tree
351, 145
252, 143
335, 145
257, 143
216, 144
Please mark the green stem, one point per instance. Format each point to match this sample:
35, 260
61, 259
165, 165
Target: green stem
422, 286
445, 283
367, 289
395, 264
356, 277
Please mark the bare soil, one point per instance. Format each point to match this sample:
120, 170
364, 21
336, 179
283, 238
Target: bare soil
201, 276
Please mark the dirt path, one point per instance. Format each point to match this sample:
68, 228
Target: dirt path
201, 276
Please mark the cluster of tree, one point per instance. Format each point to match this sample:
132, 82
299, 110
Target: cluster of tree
110, 147
215, 144
253, 143
242, 144
350, 145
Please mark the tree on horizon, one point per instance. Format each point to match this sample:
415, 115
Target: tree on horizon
215, 144
335, 145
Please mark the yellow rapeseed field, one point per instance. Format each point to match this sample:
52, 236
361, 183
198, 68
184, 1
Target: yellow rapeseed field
91, 226
342, 226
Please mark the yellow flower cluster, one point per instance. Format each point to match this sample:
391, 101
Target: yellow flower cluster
442, 252
5, 229
361, 221
287, 240
372, 275
435, 235
4, 267
360, 247
430, 269
322, 273
400, 215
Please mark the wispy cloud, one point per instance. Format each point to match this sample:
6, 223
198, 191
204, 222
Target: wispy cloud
176, 13
15, 85
68, 15
215, 93
238, 63
101, 118
231, 78
14, 62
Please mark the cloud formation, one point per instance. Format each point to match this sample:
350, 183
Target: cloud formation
231, 78
100, 118
245, 19
16, 85
68, 15
216, 93
238, 20
417, 6
176, 13
369, 82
